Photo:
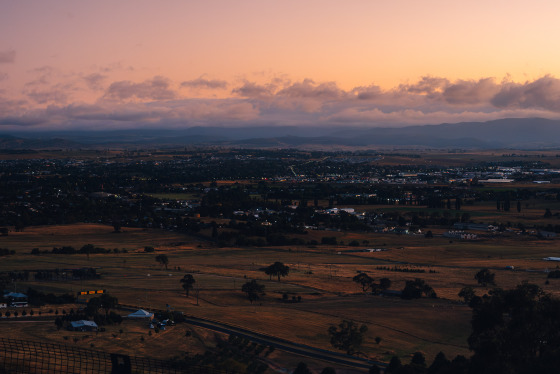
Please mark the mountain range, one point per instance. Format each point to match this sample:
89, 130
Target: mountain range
517, 133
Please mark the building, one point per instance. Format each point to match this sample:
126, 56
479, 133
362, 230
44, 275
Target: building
141, 313
82, 325
16, 299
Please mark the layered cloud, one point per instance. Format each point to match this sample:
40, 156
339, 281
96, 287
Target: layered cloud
157, 88
94, 101
7, 57
205, 83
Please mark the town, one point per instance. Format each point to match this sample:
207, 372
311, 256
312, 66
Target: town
227, 245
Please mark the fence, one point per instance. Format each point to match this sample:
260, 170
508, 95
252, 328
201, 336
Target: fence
20, 356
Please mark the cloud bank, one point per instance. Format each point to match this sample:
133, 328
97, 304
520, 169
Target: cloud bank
93, 101
7, 57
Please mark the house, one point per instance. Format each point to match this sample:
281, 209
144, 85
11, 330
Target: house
459, 235
542, 234
15, 296
82, 325
16, 299
472, 226
141, 313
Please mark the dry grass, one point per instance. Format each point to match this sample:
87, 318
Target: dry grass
321, 276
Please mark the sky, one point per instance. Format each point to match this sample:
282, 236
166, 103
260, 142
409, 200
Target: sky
127, 64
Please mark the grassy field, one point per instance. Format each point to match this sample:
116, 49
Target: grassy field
321, 276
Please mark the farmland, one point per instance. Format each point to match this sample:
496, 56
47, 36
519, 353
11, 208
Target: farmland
326, 229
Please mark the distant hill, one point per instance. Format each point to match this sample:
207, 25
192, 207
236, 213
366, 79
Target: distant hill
522, 133
8, 142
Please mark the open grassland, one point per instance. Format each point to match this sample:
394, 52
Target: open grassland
320, 275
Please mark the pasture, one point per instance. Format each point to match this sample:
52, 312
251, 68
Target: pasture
320, 275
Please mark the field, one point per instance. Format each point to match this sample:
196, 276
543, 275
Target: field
320, 275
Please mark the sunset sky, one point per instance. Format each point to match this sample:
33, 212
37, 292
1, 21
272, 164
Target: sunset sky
76, 64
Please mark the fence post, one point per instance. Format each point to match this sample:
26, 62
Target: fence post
120, 364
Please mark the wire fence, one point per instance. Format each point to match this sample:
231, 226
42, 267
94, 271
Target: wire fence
21, 356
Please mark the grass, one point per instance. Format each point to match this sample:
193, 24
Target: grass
319, 275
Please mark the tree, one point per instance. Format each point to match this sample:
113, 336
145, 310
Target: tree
328, 370
188, 282
92, 307
484, 277
394, 365
108, 302
414, 290
348, 336
516, 331
364, 280
440, 364
87, 249
302, 369
547, 213
163, 260
278, 269
384, 283
253, 290
418, 361
117, 225
467, 293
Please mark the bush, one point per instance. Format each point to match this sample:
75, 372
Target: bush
329, 240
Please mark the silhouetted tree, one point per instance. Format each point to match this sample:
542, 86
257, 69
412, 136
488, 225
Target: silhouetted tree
348, 336
278, 269
364, 280
188, 282
516, 331
253, 290
302, 369
484, 277
163, 260
394, 365
467, 293
414, 289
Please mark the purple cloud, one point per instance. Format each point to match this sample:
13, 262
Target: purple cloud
95, 80
309, 89
7, 57
251, 89
367, 93
205, 83
471, 92
426, 85
54, 95
157, 88
543, 93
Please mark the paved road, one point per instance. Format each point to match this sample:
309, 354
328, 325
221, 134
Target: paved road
278, 343
286, 345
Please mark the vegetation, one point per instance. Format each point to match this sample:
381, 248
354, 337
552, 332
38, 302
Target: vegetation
250, 226
484, 277
348, 336
277, 269
414, 290
253, 290
163, 260
188, 282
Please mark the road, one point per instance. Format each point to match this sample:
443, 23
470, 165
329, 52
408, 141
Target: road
285, 345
